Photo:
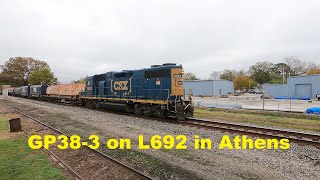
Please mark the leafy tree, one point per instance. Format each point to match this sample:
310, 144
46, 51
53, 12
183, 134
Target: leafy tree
277, 78
16, 70
243, 81
190, 76
43, 76
260, 72
228, 75
313, 71
81, 80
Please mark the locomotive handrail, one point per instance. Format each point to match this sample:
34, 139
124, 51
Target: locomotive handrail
104, 92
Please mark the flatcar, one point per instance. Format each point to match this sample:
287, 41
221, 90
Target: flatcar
157, 91
66, 92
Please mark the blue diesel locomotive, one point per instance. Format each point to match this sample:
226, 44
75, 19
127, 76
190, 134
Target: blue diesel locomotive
156, 91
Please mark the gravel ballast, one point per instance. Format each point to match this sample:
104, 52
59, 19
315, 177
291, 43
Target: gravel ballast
298, 162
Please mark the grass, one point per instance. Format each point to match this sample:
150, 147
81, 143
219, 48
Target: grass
290, 121
4, 123
19, 161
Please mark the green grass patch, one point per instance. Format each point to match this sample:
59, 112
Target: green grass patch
4, 124
18, 161
260, 118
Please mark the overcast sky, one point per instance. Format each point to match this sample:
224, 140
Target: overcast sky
79, 38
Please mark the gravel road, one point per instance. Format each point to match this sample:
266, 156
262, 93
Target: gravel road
298, 162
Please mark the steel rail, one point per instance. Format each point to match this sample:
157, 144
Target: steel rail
144, 176
72, 171
299, 137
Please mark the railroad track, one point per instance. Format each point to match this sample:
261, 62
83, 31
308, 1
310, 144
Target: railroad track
293, 136
93, 158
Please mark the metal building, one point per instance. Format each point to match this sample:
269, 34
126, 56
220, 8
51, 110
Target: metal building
208, 87
297, 86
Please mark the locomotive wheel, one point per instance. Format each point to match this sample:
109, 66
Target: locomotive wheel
146, 110
156, 111
137, 109
128, 108
97, 104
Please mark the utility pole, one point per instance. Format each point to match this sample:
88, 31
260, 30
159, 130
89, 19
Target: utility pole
282, 74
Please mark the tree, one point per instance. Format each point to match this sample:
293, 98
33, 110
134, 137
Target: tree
243, 81
313, 71
215, 75
43, 76
16, 70
81, 80
228, 75
190, 76
279, 73
260, 72
297, 67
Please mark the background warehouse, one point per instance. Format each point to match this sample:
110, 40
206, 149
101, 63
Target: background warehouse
297, 86
208, 87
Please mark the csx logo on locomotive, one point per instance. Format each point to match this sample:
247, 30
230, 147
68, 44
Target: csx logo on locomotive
120, 85
177, 76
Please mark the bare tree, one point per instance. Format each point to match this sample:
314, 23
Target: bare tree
190, 76
215, 75
228, 75
297, 67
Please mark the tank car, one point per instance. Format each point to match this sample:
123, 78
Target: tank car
10, 91
156, 91
16, 91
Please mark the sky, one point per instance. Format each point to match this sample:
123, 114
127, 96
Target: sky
79, 38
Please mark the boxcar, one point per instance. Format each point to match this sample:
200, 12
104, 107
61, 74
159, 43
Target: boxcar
38, 91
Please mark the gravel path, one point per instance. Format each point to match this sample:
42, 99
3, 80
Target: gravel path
298, 162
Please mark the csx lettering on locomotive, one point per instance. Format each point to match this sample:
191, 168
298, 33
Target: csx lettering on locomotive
120, 85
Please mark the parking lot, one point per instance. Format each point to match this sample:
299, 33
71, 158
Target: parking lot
254, 101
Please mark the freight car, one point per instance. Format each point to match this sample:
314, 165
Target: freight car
66, 92
38, 91
10, 91
156, 91
25, 91
16, 91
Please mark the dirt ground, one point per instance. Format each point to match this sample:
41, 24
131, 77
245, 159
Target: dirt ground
254, 101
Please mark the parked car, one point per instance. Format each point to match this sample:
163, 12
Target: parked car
238, 93
258, 91
251, 91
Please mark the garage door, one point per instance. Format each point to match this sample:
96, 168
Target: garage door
303, 90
